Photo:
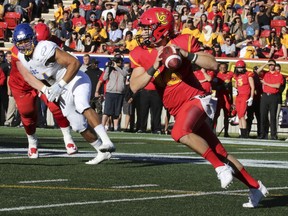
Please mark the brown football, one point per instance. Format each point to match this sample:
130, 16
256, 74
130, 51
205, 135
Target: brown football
171, 57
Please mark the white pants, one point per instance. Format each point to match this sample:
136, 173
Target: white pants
75, 99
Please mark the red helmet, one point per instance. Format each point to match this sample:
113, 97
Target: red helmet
161, 22
42, 31
240, 64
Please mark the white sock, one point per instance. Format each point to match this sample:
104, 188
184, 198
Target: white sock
96, 144
101, 132
32, 140
67, 135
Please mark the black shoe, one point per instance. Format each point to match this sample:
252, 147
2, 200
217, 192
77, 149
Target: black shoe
274, 138
226, 135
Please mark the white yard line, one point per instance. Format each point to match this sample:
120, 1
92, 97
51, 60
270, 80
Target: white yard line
235, 192
135, 186
43, 181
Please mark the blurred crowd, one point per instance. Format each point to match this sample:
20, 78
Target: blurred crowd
224, 28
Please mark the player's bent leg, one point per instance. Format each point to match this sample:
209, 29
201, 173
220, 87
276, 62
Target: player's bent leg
256, 195
94, 121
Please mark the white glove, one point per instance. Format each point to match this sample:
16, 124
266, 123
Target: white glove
56, 90
44, 90
249, 101
234, 91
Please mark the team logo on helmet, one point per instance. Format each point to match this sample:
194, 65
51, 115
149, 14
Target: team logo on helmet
162, 17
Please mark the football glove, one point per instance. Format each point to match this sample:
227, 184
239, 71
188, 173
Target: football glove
249, 101
56, 90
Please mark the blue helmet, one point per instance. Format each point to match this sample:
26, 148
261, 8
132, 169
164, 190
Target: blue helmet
24, 38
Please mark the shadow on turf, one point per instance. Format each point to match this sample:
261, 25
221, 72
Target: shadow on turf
276, 201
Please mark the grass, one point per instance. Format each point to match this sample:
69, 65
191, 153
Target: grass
148, 175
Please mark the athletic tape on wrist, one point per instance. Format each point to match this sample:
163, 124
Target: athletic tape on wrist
62, 83
192, 57
151, 71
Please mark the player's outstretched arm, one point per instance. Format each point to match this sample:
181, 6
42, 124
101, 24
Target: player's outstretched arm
68, 61
28, 77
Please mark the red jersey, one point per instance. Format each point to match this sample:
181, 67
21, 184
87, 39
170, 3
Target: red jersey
206, 85
16, 80
2, 77
242, 83
272, 78
223, 80
175, 87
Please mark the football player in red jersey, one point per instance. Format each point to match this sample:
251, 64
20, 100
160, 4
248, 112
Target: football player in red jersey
25, 97
183, 96
244, 84
223, 86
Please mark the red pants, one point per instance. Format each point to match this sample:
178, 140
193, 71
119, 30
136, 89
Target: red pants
241, 105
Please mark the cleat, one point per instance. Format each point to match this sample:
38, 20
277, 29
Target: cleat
101, 156
256, 195
71, 148
33, 153
107, 147
224, 174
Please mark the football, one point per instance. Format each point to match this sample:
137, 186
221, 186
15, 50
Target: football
171, 57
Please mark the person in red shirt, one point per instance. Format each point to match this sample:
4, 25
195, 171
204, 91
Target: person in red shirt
215, 11
2, 78
244, 84
205, 78
183, 96
25, 97
223, 86
271, 82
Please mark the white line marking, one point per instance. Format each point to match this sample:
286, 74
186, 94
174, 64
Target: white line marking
135, 186
43, 181
21, 208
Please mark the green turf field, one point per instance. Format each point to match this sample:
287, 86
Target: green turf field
147, 175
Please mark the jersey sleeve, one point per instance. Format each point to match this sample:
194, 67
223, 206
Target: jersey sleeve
187, 42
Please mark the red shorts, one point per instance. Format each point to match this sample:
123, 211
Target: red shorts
241, 105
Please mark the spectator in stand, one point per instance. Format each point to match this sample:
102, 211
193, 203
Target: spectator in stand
110, 7
245, 12
76, 5
89, 44
277, 50
247, 50
216, 50
223, 87
58, 14
255, 108
79, 22
236, 29
229, 15
263, 17
129, 27
185, 14
86, 62
271, 82
123, 23
215, 11
201, 11
54, 30
271, 38
93, 9
191, 29
26, 9
133, 13
228, 48
74, 44
244, 84
178, 25
107, 23
207, 37
200, 24
130, 43
93, 19
251, 28
65, 24
217, 24
121, 49
100, 35
115, 34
